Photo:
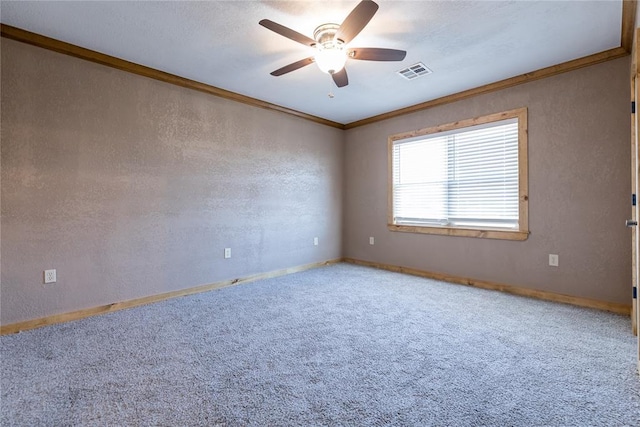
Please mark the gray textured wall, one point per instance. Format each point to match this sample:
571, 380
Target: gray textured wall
131, 187
579, 190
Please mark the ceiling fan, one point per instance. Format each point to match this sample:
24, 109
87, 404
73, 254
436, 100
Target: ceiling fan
330, 42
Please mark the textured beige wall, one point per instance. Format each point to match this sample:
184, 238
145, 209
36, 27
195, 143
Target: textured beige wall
579, 190
131, 187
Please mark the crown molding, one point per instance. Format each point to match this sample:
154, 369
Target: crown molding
629, 8
49, 43
626, 44
575, 64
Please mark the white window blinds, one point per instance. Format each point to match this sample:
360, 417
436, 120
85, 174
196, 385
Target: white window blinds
467, 177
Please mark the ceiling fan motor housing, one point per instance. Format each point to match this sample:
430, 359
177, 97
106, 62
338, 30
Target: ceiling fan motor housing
325, 33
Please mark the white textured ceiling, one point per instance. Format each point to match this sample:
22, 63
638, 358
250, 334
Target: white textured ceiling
466, 44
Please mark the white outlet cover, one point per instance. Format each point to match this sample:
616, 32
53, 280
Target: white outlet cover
227, 252
553, 260
315, 241
371, 240
49, 276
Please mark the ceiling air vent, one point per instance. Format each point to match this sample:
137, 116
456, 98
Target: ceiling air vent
414, 71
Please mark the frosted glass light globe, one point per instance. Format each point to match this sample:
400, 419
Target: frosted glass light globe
331, 60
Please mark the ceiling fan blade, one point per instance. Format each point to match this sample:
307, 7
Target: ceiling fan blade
356, 21
292, 67
376, 54
340, 78
287, 32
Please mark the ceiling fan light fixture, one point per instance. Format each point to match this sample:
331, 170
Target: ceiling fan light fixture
330, 59
330, 42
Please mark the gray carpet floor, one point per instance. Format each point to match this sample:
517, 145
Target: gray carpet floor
338, 345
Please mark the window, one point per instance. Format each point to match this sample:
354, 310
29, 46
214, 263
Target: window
467, 178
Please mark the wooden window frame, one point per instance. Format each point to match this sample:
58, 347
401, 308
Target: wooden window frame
522, 233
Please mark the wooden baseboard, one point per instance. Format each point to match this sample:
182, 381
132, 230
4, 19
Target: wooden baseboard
110, 308
12, 328
526, 292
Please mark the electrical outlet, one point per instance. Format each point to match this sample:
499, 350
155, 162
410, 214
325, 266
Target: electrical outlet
227, 252
49, 276
371, 240
553, 260
315, 241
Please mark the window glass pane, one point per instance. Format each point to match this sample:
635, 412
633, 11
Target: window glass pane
420, 181
467, 177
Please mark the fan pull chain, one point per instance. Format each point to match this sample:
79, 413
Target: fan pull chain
331, 95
